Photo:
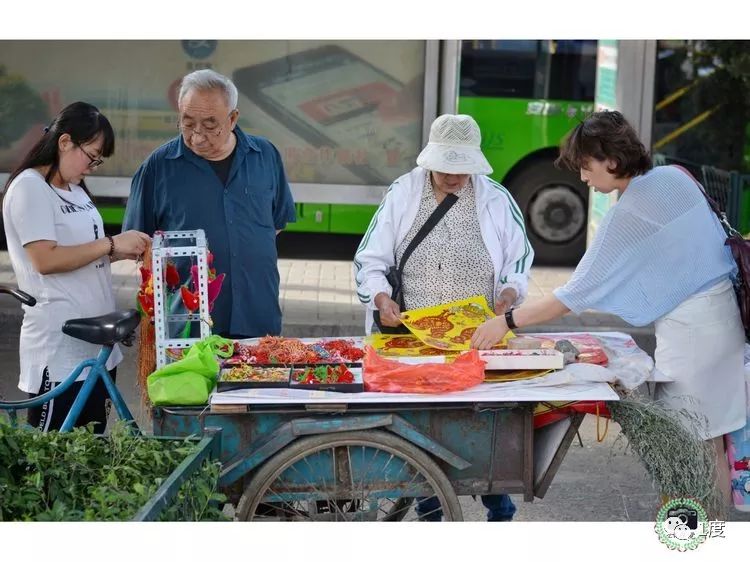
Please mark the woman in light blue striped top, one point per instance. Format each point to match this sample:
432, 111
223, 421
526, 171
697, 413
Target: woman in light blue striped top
658, 256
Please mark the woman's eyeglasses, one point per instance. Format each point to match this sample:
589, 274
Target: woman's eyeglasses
93, 162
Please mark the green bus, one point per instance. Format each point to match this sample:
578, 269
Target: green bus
347, 116
526, 96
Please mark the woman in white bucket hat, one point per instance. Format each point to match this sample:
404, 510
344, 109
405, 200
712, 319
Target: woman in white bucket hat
454, 147
479, 247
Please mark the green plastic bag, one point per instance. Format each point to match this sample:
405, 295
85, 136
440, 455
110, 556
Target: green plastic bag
189, 381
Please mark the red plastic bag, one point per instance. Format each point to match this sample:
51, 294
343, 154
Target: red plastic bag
386, 375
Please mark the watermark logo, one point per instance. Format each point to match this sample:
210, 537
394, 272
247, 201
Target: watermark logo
682, 524
199, 48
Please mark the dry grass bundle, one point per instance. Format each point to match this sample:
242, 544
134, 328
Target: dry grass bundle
680, 464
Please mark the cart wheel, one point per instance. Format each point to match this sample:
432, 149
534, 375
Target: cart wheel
399, 510
350, 476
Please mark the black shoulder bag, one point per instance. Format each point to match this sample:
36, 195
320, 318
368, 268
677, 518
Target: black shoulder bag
395, 273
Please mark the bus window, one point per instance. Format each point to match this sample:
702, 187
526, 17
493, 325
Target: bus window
558, 69
498, 69
572, 70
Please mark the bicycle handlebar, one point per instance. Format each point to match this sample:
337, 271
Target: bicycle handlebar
25, 298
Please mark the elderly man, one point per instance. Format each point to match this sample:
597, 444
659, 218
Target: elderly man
232, 185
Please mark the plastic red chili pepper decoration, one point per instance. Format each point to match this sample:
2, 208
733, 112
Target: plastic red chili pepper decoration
146, 303
172, 277
214, 286
189, 299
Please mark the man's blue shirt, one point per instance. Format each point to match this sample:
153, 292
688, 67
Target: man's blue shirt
175, 189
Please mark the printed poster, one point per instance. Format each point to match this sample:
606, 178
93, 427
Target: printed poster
449, 326
403, 345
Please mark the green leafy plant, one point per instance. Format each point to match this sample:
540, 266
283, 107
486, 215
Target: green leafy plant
79, 476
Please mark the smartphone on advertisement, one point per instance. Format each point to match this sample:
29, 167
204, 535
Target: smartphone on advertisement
330, 97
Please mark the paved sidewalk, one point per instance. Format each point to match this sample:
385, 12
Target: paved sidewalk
318, 299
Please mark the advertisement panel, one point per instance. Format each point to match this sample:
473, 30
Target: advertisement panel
340, 112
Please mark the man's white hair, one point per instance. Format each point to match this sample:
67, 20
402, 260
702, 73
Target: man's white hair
208, 79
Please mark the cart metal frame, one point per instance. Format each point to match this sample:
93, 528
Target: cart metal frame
479, 448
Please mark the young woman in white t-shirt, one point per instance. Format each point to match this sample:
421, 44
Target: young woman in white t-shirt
61, 256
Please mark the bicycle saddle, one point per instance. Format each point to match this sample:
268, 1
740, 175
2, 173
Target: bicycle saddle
104, 330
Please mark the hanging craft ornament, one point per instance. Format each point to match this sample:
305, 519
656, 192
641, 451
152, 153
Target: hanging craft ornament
188, 293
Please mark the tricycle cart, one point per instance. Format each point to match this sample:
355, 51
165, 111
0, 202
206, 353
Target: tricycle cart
374, 456
312, 455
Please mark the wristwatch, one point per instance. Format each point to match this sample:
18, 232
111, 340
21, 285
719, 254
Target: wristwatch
509, 319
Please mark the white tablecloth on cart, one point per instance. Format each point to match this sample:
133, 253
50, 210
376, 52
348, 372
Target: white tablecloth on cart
628, 366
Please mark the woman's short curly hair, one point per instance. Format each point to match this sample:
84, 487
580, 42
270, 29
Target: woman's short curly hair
603, 135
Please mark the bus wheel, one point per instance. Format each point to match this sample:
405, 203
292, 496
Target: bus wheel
555, 204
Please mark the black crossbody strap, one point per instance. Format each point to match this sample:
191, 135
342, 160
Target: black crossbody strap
429, 224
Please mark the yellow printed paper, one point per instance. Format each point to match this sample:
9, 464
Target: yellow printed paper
406, 345
507, 376
449, 326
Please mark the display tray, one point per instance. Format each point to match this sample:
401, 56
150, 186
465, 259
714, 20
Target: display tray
522, 359
247, 375
234, 377
344, 378
235, 361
